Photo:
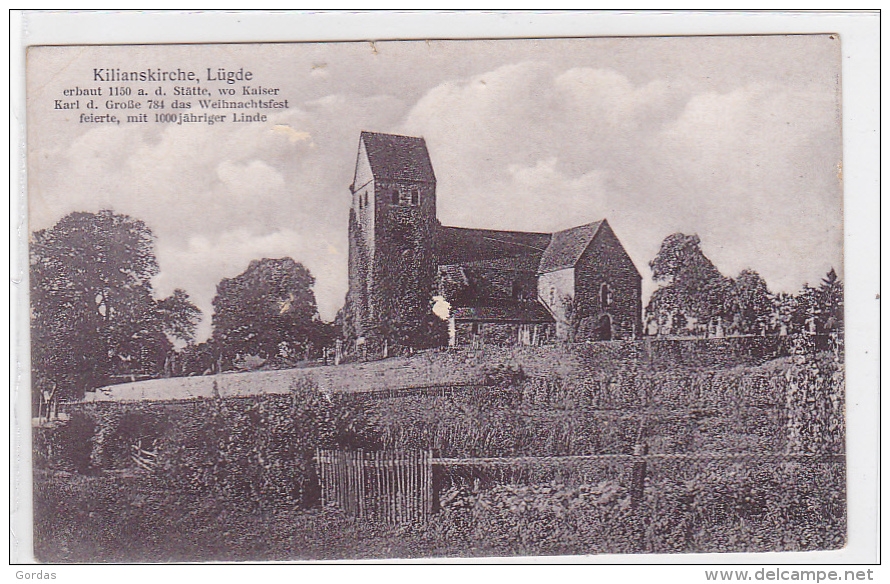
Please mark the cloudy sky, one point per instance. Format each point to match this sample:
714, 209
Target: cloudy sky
736, 139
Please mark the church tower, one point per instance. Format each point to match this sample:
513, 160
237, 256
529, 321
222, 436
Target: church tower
392, 233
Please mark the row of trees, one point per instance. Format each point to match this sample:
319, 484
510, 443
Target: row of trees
695, 298
95, 317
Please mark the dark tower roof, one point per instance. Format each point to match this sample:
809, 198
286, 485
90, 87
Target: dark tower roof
395, 157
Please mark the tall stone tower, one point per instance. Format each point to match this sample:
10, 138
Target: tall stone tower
392, 232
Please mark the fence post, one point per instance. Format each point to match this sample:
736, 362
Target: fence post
637, 491
638, 475
318, 473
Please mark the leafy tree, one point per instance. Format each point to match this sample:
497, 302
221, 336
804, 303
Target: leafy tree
269, 311
344, 321
179, 316
93, 314
753, 305
691, 285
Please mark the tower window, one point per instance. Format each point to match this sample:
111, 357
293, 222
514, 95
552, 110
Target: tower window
405, 197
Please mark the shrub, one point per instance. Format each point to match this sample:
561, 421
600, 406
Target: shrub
542, 518
502, 375
258, 451
118, 429
685, 508
745, 508
814, 403
65, 446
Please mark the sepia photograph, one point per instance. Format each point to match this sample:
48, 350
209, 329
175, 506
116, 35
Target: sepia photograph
436, 299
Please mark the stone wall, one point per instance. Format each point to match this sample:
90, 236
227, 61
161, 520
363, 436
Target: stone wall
404, 263
606, 262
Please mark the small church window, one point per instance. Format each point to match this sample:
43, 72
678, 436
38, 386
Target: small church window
605, 297
415, 197
394, 196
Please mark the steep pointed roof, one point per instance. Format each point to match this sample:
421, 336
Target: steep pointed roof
394, 157
566, 247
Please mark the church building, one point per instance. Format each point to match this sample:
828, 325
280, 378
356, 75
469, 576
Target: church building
497, 287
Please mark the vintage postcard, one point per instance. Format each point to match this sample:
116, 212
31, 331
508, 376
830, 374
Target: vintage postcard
436, 298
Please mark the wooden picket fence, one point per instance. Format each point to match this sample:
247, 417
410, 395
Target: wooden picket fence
392, 487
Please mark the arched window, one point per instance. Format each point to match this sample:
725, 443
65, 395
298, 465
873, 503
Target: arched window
517, 289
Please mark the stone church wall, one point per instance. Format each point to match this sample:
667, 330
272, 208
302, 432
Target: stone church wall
606, 262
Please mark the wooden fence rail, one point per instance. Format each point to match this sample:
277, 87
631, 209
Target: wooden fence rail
397, 487
715, 456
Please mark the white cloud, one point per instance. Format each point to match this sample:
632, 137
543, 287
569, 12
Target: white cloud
751, 170
199, 265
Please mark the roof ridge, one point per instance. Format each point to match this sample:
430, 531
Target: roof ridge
597, 223
566, 246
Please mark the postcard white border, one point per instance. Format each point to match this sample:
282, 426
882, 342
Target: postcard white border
860, 77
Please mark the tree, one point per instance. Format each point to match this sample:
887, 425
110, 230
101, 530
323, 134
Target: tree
691, 285
784, 310
753, 305
831, 303
93, 313
179, 316
269, 311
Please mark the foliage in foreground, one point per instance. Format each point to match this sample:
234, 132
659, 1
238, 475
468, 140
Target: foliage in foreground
138, 518
702, 509
259, 451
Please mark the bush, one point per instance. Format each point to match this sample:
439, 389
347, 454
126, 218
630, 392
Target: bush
65, 446
745, 508
538, 519
686, 508
259, 451
502, 375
